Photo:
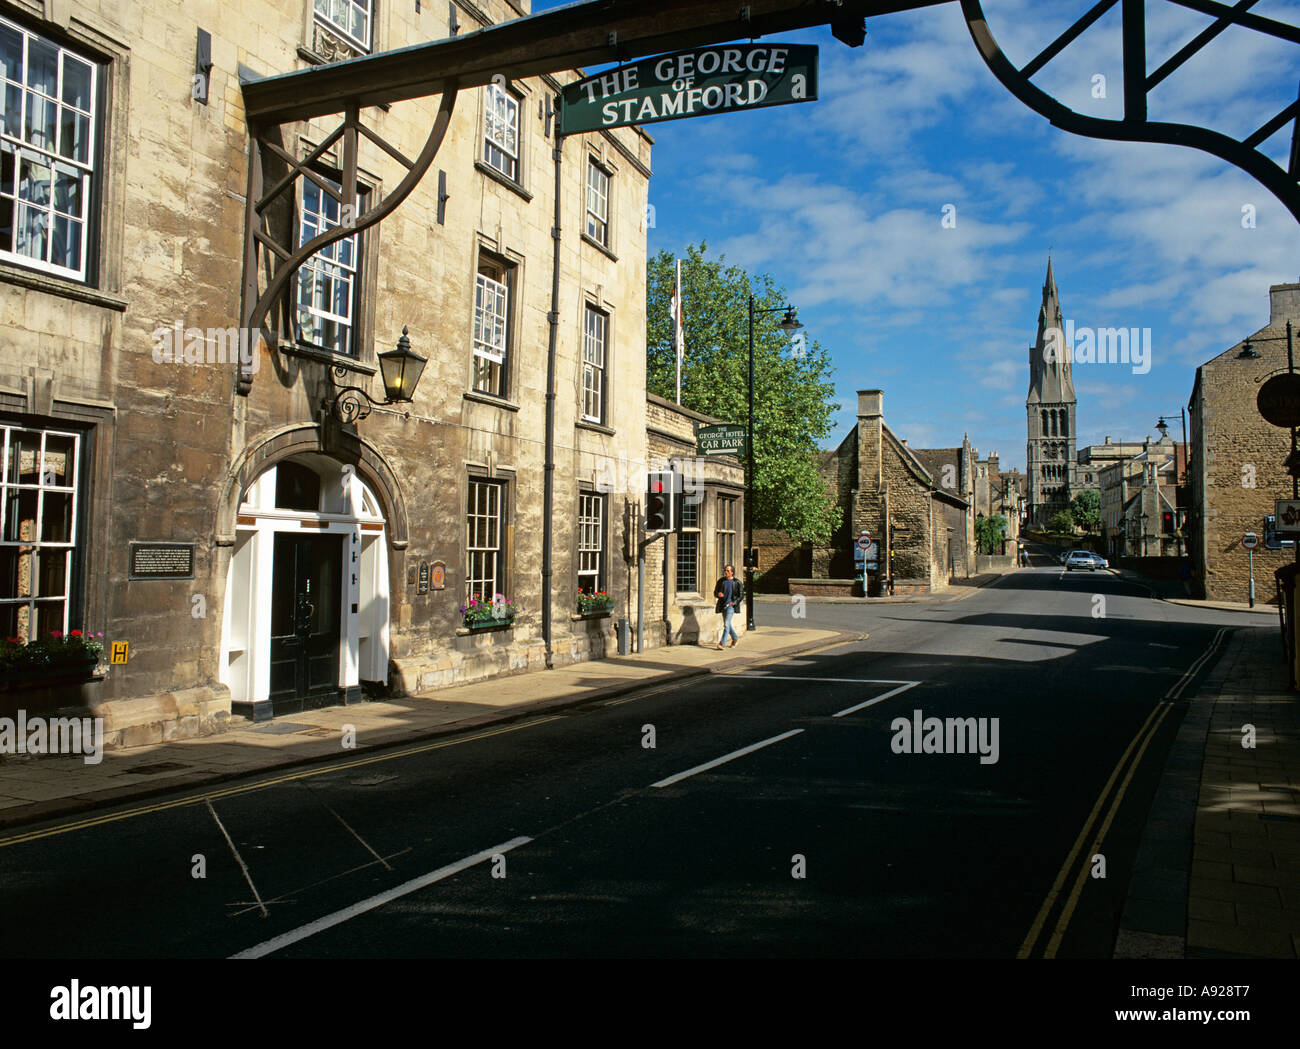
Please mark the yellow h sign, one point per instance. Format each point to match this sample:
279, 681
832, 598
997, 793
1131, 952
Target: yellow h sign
117, 654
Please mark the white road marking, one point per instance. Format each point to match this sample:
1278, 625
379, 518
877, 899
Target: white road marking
405, 889
240, 859
725, 758
843, 680
1157, 644
879, 699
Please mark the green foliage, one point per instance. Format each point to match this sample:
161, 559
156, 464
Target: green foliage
792, 394
72, 650
1061, 521
990, 533
1086, 509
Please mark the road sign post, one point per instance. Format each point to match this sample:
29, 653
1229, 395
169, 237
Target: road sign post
1250, 540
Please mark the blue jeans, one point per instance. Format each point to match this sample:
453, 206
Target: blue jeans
727, 628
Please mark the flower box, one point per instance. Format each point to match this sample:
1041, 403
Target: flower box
597, 604
480, 625
49, 674
48, 660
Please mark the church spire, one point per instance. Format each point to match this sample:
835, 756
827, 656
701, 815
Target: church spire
1050, 381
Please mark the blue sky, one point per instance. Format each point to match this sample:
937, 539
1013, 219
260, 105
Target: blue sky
841, 200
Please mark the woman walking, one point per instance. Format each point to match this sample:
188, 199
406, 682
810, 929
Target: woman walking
729, 592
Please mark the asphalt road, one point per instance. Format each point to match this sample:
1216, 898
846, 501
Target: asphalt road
568, 835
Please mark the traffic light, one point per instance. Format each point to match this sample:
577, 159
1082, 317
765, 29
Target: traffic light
660, 501
1167, 521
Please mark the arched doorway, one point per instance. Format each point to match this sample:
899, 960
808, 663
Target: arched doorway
307, 595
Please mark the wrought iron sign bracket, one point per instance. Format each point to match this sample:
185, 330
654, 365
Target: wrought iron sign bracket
271, 258
1138, 84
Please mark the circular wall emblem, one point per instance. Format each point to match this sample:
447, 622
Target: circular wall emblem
1278, 400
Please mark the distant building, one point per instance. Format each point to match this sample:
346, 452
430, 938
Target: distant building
1237, 458
1095, 458
1142, 506
882, 483
1050, 411
682, 568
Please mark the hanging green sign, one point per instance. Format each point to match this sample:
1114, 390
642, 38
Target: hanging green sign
726, 439
691, 84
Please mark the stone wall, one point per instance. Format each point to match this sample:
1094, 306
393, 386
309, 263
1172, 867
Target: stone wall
1236, 469
171, 445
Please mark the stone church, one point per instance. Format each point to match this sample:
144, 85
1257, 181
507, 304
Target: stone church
1050, 410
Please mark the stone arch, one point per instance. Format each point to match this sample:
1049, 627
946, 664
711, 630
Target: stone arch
295, 439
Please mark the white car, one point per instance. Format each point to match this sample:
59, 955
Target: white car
1079, 559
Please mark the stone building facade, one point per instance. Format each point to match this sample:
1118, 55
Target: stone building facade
884, 485
308, 558
1142, 501
1236, 470
681, 569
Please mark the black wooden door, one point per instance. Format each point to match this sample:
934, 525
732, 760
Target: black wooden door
305, 612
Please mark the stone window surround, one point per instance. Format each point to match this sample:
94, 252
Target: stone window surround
513, 261
505, 477
345, 35
88, 592
366, 282
103, 279
587, 490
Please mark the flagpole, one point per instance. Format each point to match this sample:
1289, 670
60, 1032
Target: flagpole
677, 326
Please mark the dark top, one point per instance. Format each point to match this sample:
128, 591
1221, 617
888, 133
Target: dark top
728, 592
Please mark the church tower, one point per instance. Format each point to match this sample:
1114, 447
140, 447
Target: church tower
1050, 410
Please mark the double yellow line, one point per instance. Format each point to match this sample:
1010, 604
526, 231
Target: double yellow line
1096, 825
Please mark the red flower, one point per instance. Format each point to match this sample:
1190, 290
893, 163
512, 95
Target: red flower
75, 633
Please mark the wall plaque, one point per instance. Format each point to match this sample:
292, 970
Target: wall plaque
424, 578
438, 576
160, 561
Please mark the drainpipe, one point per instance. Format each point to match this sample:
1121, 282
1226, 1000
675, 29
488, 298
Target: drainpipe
548, 498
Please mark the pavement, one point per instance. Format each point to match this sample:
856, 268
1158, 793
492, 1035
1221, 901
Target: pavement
1217, 873
34, 789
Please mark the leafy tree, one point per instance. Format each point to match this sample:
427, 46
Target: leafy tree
990, 532
792, 386
1061, 521
1086, 509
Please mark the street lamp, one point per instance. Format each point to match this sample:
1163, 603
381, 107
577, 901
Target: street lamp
789, 324
400, 370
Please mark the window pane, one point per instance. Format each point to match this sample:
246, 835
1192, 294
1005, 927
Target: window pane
43, 66
11, 106
74, 136
76, 82
11, 53
53, 579
40, 122
57, 517
24, 457
49, 618
20, 515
